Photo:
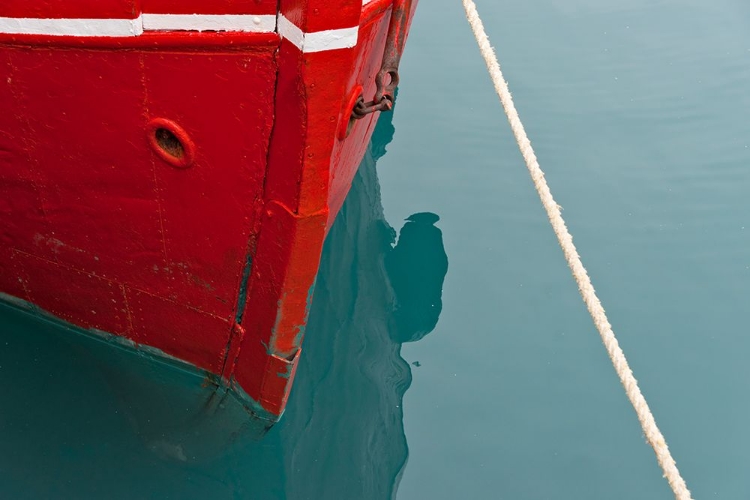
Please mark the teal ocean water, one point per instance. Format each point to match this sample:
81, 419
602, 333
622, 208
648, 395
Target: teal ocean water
453, 358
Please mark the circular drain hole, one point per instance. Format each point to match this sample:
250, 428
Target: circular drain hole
170, 142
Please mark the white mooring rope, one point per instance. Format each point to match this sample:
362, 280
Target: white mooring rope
594, 305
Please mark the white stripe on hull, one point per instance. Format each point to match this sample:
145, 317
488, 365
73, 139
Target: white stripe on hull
71, 27
317, 41
209, 22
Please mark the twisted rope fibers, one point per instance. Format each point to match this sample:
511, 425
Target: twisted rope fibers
630, 384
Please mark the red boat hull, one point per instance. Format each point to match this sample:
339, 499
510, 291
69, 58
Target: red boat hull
173, 186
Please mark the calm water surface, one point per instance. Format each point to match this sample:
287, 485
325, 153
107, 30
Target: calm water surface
498, 387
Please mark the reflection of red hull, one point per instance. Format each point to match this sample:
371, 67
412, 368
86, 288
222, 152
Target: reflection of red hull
168, 173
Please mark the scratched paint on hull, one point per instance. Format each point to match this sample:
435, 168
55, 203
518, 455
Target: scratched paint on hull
160, 424
185, 214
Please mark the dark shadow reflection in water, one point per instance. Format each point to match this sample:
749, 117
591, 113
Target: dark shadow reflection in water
80, 419
416, 268
344, 426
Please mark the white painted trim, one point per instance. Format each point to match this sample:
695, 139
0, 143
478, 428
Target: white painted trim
331, 39
71, 27
210, 22
317, 41
291, 32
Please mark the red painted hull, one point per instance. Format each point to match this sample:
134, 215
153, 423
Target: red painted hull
173, 186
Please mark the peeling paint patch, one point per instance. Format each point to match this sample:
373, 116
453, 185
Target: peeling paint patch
54, 244
242, 297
